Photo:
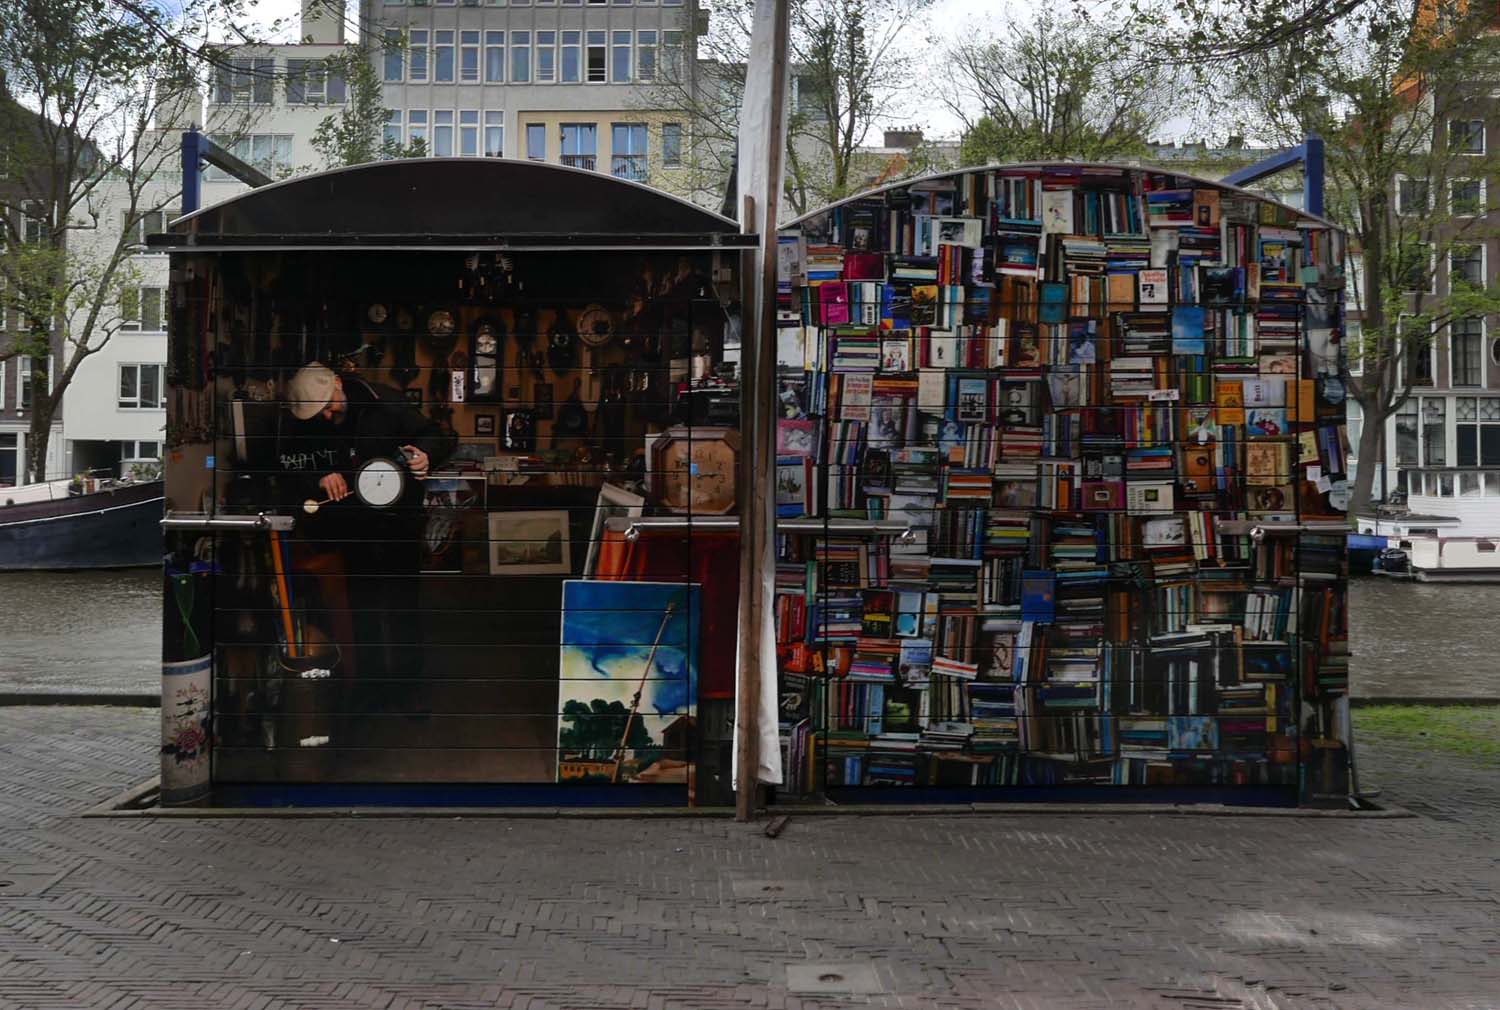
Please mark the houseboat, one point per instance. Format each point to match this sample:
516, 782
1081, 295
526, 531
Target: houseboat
1446, 527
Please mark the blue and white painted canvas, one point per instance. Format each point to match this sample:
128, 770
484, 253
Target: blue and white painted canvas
629, 681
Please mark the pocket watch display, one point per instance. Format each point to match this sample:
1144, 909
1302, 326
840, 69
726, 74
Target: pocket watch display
595, 326
440, 325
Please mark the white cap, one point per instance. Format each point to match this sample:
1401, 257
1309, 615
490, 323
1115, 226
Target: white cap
310, 390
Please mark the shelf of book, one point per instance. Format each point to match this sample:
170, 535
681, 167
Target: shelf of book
1081, 389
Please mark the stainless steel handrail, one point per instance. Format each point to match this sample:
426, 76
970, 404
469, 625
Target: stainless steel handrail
1260, 529
229, 524
834, 527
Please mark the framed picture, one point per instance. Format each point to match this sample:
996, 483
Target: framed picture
613, 502
530, 543
484, 424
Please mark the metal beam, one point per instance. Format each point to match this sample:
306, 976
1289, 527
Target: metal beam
1289, 158
1308, 154
198, 150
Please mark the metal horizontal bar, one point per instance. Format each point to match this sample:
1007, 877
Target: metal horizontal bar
1261, 169
633, 528
226, 524
541, 242
1258, 529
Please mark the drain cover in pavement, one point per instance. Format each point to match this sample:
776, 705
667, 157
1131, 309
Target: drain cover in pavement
832, 978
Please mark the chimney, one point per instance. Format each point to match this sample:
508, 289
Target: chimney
323, 21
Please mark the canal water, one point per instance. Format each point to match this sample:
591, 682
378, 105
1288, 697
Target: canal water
102, 631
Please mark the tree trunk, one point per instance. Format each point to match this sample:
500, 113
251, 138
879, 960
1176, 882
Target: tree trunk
1371, 459
43, 409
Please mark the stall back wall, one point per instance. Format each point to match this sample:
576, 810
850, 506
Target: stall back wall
1084, 388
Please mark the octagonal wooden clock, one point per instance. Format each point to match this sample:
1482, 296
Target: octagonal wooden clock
695, 469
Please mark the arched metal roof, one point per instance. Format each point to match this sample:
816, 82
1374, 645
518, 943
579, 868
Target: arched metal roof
452, 203
1085, 167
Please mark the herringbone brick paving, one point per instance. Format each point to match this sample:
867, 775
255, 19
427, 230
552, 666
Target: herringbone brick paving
1018, 911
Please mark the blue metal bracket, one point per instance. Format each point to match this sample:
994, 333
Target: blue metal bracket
198, 150
1308, 154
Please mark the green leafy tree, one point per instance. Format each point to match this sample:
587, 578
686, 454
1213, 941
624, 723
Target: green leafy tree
355, 134
593, 730
1056, 86
1389, 84
81, 88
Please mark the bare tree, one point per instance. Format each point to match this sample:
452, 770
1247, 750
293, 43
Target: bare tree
1056, 86
853, 67
1392, 89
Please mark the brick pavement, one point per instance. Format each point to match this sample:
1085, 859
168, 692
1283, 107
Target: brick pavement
1024, 910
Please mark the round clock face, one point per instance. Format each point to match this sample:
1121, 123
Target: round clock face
595, 327
379, 483
698, 476
377, 313
440, 323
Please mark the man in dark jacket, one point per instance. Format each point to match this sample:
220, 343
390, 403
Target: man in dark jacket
343, 422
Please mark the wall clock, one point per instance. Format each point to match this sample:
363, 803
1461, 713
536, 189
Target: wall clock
695, 469
379, 482
484, 361
595, 326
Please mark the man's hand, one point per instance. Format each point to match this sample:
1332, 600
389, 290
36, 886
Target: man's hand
416, 460
334, 487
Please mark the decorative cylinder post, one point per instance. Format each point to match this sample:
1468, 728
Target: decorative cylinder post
186, 679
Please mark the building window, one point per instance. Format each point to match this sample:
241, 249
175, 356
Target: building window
546, 57
269, 152
671, 144
1415, 270
1466, 197
143, 310
141, 387
417, 57
468, 134
645, 56
1477, 429
246, 81
1434, 431
442, 57
671, 55
416, 130
1466, 338
1413, 196
619, 67
1466, 136
570, 57
520, 57
1466, 264
1354, 351
392, 134
468, 56
597, 70
23, 383
442, 134
1355, 417
1416, 353
494, 57
579, 144
147, 222
1406, 433
494, 134
395, 57
10, 458
309, 82
536, 142
627, 151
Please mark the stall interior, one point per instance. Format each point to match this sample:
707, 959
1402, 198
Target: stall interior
462, 441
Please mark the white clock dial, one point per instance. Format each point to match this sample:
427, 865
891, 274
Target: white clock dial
379, 483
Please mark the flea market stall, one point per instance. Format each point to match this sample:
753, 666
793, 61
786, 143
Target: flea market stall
1106, 401
451, 477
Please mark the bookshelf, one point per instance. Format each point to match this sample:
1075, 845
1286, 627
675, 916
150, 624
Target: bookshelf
1064, 378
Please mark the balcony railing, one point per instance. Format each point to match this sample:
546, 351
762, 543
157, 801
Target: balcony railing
585, 161
628, 166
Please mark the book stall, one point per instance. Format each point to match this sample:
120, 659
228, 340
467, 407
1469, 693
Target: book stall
1105, 404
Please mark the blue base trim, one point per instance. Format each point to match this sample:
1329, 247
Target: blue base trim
446, 795
1234, 796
